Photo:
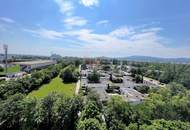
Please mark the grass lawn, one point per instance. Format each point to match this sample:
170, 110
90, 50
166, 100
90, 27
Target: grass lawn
12, 69
56, 85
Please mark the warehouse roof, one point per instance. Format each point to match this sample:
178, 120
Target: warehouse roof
34, 62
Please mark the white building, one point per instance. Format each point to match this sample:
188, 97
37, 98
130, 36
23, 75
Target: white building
30, 65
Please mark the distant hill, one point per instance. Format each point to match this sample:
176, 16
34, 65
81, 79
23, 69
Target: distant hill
158, 59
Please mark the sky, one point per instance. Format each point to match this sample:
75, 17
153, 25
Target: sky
91, 28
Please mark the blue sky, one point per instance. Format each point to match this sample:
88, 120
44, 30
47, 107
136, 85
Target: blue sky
115, 28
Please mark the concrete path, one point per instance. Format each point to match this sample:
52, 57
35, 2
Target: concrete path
77, 88
78, 83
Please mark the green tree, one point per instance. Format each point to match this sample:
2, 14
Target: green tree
29, 110
94, 77
176, 88
161, 125
44, 112
142, 89
1, 69
11, 112
94, 97
68, 75
118, 113
66, 112
91, 110
90, 124
138, 79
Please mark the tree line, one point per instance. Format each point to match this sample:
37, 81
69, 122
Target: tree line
69, 74
166, 108
54, 112
29, 82
165, 73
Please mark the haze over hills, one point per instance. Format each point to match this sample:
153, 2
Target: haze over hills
159, 59
130, 58
152, 59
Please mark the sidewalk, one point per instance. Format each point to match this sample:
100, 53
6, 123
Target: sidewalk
78, 84
77, 87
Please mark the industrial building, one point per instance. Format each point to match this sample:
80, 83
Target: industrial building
2, 58
30, 65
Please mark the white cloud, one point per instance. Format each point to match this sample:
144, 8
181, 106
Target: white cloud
66, 7
154, 29
148, 43
7, 20
89, 3
122, 32
139, 43
75, 21
45, 33
102, 22
70, 20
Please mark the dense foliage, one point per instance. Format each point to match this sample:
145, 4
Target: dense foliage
165, 73
137, 75
160, 125
94, 77
54, 112
142, 89
69, 74
166, 108
163, 104
28, 83
1, 69
91, 115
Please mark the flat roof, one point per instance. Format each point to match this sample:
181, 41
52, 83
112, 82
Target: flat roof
33, 62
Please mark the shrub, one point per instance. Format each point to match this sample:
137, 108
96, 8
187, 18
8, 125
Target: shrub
68, 75
94, 77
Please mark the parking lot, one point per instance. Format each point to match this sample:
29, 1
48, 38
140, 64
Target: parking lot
98, 87
127, 91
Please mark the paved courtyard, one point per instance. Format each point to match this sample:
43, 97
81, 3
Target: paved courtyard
127, 91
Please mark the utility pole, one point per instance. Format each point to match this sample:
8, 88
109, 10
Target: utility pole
6, 50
